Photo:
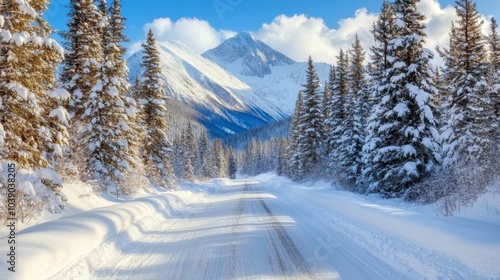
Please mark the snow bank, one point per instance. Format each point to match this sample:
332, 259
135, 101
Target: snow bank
410, 236
68, 239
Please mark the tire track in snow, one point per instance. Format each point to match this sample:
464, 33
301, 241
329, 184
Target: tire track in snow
298, 262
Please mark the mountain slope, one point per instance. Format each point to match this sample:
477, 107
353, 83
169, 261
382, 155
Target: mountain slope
225, 104
254, 57
268, 72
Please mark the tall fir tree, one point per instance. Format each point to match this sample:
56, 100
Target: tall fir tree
203, 166
406, 149
311, 120
282, 156
356, 113
189, 149
107, 130
232, 165
494, 76
293, 135
384, 30
336, 120
467, 134
158, 151
33, 122
84, 54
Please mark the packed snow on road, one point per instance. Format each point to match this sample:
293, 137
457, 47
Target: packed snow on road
264, 227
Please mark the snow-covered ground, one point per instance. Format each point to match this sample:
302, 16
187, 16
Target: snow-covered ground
264, 227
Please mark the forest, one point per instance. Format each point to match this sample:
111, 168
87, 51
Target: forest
385, 122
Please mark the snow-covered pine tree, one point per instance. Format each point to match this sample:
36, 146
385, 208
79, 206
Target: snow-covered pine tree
338, 88
158, 148
83, 55
135, 132
494, 76
106, 120
219, 160
292, 148
232, 165
189, 149
32, 120
356, 114
384, 31
203, 156
282, 156
250, 158
311, 120
406, 151
467, 134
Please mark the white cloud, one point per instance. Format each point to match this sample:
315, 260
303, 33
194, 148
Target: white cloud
197, 34
299, 36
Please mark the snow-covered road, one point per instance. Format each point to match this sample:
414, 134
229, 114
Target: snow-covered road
240, 232
262, 228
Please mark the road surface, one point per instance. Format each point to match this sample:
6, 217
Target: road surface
242, 231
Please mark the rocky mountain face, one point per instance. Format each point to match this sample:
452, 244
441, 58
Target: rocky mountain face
241, 84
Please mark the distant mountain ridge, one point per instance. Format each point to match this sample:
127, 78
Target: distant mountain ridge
239, 85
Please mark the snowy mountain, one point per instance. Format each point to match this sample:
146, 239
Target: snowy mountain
241, 84
268, 72
246, 56
225, 104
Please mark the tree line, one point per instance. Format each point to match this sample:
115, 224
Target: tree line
398, 126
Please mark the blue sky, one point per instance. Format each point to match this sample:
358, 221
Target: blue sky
202, 24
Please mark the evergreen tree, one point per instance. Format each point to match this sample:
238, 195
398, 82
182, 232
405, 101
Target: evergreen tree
311, 119
467, 134
356, 113
189, 149
219, 160
84, 54
108, 130
339, 90
282, 156
293, 135
494, 75
232, 165
32, 119
406, 147
158, 148
203, 155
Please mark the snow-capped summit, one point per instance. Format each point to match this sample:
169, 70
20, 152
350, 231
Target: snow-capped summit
225, 104
268, 72
245, 55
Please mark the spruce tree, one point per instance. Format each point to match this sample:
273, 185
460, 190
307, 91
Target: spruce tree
356, 113
203, 155
293, 135
467, 134
494, 76
84, 56
232, 165
406, 148
219, 160
158, 148
282, 156
189, 149
384, 30
311, 120
336, 120
32, 117
108, 130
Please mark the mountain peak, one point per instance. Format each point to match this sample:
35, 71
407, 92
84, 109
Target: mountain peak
253, 57
246, 37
